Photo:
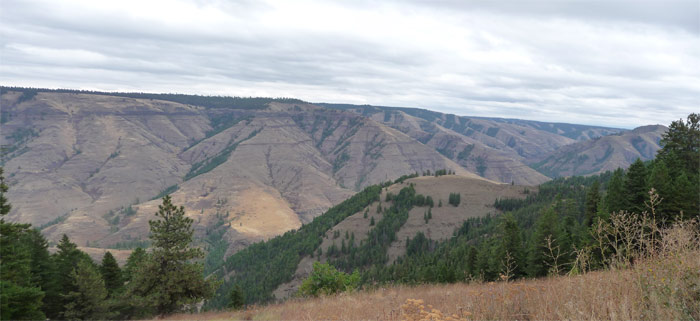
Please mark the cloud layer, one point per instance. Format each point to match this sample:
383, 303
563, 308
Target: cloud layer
615, 63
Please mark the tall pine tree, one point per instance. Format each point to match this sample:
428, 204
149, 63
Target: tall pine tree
660, 180
65, 261
135, 261
511, 248
88, 299
592, 200
111, 273
20, 297
616, 199
539, 260
169, 280
636, 187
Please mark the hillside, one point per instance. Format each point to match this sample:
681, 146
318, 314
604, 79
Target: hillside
495, 148
94, 165
366, 230
603, 154
603, 295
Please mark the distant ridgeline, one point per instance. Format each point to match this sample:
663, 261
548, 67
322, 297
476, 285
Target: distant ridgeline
558, 219
461, 124
196, 100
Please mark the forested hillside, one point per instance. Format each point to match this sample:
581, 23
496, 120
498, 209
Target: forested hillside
559, 229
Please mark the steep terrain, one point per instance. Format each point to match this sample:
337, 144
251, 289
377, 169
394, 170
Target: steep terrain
93, 166
477, 197
495, 148
603, 153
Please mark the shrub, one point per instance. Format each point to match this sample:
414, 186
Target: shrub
325, 280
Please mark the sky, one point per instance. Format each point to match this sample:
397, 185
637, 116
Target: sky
600, 62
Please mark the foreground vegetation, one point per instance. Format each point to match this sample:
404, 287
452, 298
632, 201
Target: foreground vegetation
68, 285
664, 284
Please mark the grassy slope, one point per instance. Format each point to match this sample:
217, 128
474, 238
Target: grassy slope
657, 289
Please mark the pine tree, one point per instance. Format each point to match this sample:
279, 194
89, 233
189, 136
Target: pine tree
592, 200
511, 249
135, 260
471, 261
636, 187
20, 298
660, 181
371, 221
236, 298
65, 261
42, 269
111, 273
168, 280
89, 299
539, 263
615, 199
682, 143
5, 206
684, 199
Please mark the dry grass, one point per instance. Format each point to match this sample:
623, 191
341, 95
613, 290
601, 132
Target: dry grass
644, 292
663, 284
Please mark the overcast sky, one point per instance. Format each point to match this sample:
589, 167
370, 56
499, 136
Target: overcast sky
614, 63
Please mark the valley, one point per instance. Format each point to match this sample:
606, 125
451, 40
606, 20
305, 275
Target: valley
94, 165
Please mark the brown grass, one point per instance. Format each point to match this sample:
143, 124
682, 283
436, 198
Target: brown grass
662, 284
602, 295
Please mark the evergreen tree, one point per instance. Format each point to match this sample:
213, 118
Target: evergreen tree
539, 260
592, 200
42, 269
660, 180
471, 261
65, 260
88, 300
485, 267
615, 199
371, 221
511, 249
5, 206
135, 260
685, 198
682, 143
168, 280
111, 274
236, 298
20, 298
636, 187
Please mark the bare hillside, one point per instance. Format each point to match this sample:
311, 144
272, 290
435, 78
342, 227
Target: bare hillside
604, 153
495, 148
94, 166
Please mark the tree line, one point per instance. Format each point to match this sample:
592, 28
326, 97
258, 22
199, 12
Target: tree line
69, 285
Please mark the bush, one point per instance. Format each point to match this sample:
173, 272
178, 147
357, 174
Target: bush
325, 280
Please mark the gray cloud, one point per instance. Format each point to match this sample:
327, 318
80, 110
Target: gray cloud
616, 63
